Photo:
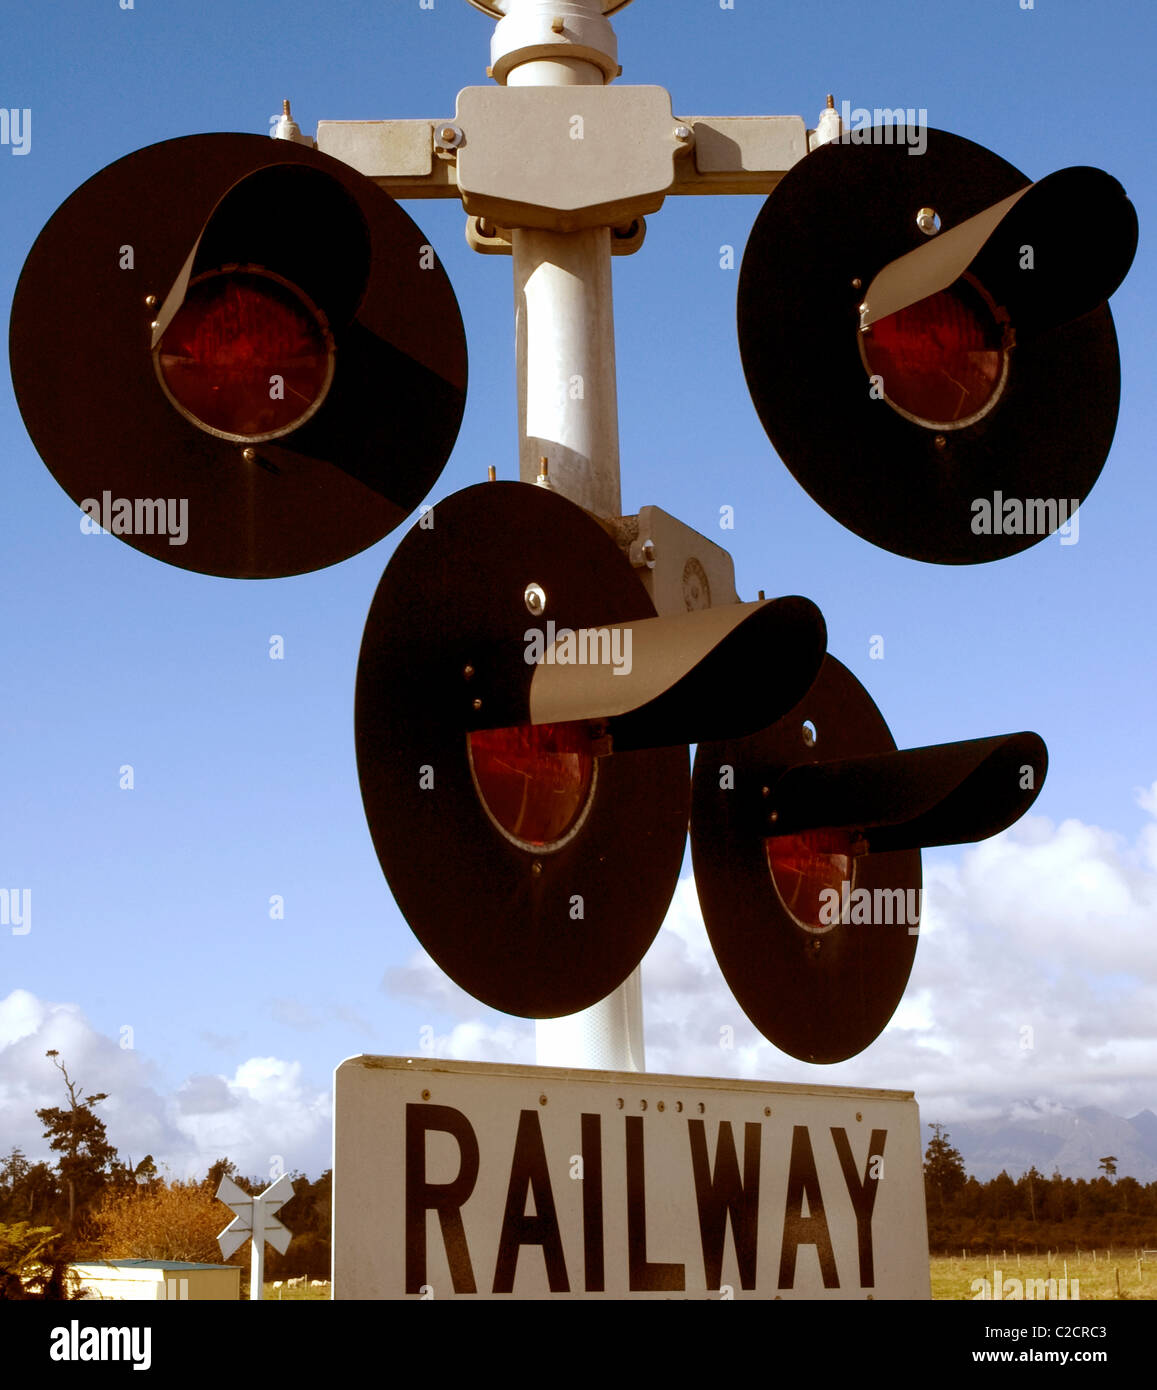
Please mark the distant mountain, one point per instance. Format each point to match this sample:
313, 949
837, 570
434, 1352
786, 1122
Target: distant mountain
1146, 1126
1055, 1139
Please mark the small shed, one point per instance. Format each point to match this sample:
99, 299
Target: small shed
158, 1279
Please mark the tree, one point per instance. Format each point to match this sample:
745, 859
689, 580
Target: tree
1032, 1180
308, 1215
944, 1172
13, 1171
28, 1266
163, 1221
28, 1191
223, 1168
1002, 1197
1129, 1194
1109, 1164
79, 1134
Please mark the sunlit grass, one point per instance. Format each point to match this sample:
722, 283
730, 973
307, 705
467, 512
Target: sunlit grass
952, 1277
302, 1291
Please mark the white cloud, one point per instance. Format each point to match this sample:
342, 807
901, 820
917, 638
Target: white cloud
264, 1110
1147, 798
273, 1121
421, 982
21, 1014
1035, 976
1035, 984
480, 1035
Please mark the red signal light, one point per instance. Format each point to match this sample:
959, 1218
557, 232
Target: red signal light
942, 360
535, 780
802, 866
247, 356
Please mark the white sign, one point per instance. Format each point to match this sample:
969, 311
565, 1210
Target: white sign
467, 1180
256, 1221
242, 1227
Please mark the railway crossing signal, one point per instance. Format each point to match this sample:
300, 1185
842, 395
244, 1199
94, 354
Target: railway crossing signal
248, 334
928, 341
523, 719
806, 842
254, 332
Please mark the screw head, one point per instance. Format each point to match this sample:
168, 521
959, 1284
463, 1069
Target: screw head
928, 220
534, 597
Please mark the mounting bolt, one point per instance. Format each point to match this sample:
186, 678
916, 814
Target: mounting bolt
928, 220
534, 597
642, 554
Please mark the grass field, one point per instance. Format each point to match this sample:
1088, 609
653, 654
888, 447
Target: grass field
952, 1278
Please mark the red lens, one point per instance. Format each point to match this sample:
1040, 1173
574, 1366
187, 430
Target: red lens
534, 779
246, 355
940, 359
803, 866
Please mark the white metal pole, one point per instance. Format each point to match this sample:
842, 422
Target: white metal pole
567, 398
257, 1263
568, 407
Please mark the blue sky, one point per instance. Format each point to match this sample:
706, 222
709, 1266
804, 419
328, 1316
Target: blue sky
150, 907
